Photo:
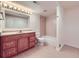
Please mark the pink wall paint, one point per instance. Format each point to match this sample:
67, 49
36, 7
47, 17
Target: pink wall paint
42, 25
71, 27
51, 26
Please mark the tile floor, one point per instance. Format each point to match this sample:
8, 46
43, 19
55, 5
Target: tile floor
50, 52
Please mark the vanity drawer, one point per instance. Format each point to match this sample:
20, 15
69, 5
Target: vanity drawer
32, 44
9, 52
9, 44
32, 38
9, 38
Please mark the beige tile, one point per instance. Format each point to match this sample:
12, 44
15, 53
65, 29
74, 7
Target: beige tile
50, 52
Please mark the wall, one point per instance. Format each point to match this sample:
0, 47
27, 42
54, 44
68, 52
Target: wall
71, 27
42, 25
35, 23
1, 25
51, 26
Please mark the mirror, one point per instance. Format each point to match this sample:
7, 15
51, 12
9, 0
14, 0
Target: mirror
13, 21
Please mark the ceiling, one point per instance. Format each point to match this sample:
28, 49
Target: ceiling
48, 6
44, 8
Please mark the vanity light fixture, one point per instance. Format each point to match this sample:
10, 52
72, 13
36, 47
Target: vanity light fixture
10, 6
30, 13
19, 9
23, 10
15, 8
5, 5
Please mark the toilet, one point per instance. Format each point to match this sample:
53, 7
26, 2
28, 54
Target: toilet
47, 40
40, 40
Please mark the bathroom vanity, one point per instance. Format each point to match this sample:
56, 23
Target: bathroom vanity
14, 44
15, 33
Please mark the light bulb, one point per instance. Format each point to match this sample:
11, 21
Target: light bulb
11, 6
22, 10
15, 8
28, 12
19, 9
31, 13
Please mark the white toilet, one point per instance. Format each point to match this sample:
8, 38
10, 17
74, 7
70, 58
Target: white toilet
42, 41
47, 40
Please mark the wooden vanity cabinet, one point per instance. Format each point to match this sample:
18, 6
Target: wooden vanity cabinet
8, 45
11, 45
23, 43
32, 42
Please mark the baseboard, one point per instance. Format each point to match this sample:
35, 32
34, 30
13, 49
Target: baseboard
72, 45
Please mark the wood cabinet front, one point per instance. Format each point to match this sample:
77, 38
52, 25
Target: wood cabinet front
23, 44
9, 44
9, 52
14, 44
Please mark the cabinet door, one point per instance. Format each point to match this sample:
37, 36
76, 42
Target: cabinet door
9, 52
22, 44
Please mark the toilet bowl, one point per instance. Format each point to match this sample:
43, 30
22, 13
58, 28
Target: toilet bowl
48, 40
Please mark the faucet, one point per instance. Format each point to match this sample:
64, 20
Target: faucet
20, 31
